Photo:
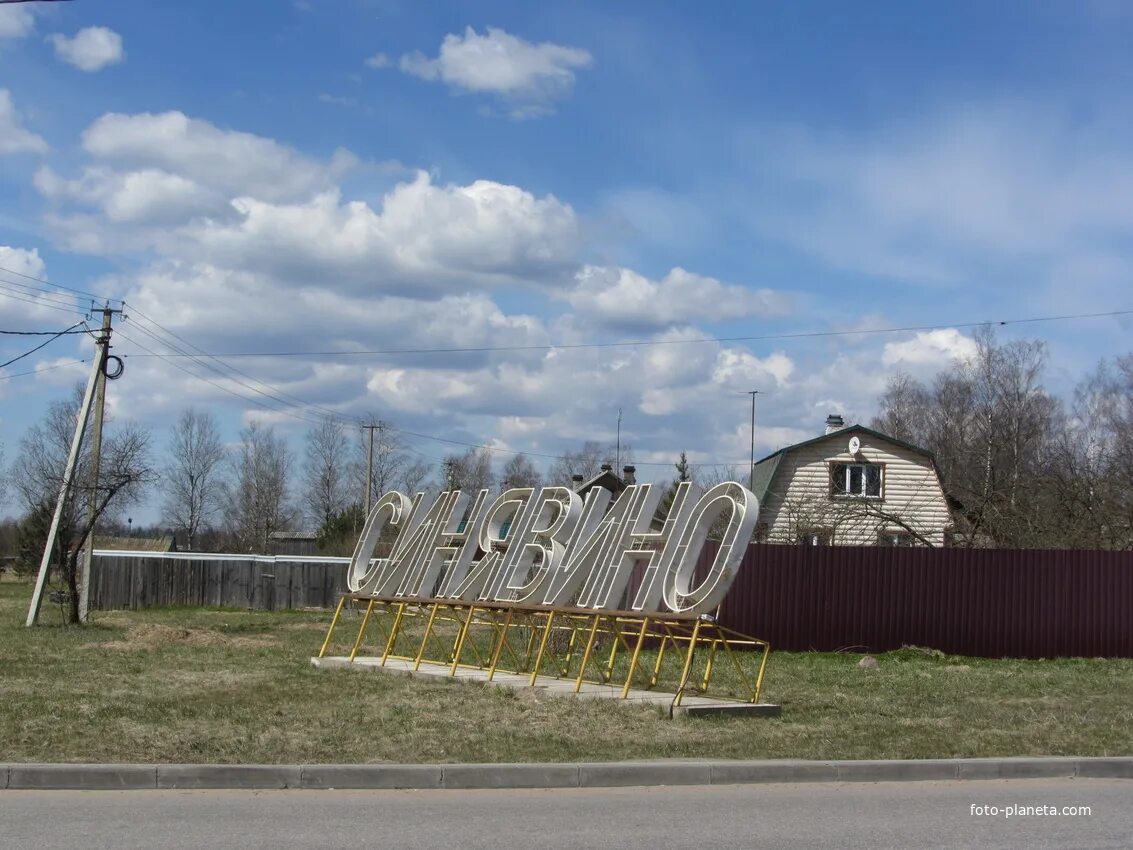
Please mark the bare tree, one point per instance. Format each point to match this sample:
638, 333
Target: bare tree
413, 474
192, 483
257, 497
519, 471
905, 409
991, 427
125, 472
327, 472
470, 471
587, 461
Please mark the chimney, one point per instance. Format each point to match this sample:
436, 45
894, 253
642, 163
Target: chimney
577, 480
834, 423
629, 475
607, 467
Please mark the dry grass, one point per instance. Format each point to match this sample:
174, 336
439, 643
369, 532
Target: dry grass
193, 685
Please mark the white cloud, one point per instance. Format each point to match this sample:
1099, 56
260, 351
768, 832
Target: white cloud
148, 196
379, 60
424, 238
24, 299
526, 76
91, 49
935, 348
16, 21
228, 161
14, 137
22, 261
622, 297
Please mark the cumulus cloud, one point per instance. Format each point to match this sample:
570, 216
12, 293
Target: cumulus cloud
22, 261
149, 196
16, 21
228, 161
14, 137
90, 49
524, 75
935, 349
622, 297
424, 238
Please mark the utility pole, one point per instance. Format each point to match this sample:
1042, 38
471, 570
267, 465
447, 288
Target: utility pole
370, 462
103, 349
751, 471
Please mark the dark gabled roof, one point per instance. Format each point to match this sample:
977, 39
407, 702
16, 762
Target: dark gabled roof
764, 470
852, 429
762, 474
606, 479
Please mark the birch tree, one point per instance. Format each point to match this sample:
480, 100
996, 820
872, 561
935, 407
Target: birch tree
193, 484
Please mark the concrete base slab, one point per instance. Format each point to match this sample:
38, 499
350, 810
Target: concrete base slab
691, 705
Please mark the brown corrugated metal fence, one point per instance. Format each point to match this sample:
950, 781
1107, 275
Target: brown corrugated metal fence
1022, 603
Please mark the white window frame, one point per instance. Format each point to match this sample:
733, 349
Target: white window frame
845, 492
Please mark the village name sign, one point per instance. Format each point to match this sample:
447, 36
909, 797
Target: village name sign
551, 548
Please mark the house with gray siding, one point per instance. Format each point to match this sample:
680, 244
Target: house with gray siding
851, 486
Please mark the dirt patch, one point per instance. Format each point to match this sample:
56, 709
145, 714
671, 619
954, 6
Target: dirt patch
155, 635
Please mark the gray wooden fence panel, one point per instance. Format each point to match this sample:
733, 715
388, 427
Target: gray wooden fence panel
142, 580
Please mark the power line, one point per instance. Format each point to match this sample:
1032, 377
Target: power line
221, 387
43, 344
44, 369
41, 280
273, 393
660, 342
16, 295
42, 333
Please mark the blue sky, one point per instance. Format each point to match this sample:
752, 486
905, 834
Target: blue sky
304, 176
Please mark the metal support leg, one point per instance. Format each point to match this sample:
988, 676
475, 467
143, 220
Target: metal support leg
333, 623
362, 630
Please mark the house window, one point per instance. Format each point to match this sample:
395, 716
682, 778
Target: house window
896, 538
855, 479
807, 536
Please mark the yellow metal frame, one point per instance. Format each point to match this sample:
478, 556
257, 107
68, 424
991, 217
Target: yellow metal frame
621, 650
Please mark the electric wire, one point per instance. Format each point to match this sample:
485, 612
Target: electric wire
81, 292
44, 369
212, 383
19, 296
43, 344
668, 342
275, 392
43, 333
235, 393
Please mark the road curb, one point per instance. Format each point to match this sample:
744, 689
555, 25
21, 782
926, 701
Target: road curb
103, 777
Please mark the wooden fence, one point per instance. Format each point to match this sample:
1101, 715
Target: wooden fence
274, 582
984, 602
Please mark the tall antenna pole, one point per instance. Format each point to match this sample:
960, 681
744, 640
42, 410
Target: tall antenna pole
751, 471
618, 449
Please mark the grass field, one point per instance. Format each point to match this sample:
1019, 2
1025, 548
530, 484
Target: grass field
196, 685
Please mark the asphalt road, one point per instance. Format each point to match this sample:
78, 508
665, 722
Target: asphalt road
874, 815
